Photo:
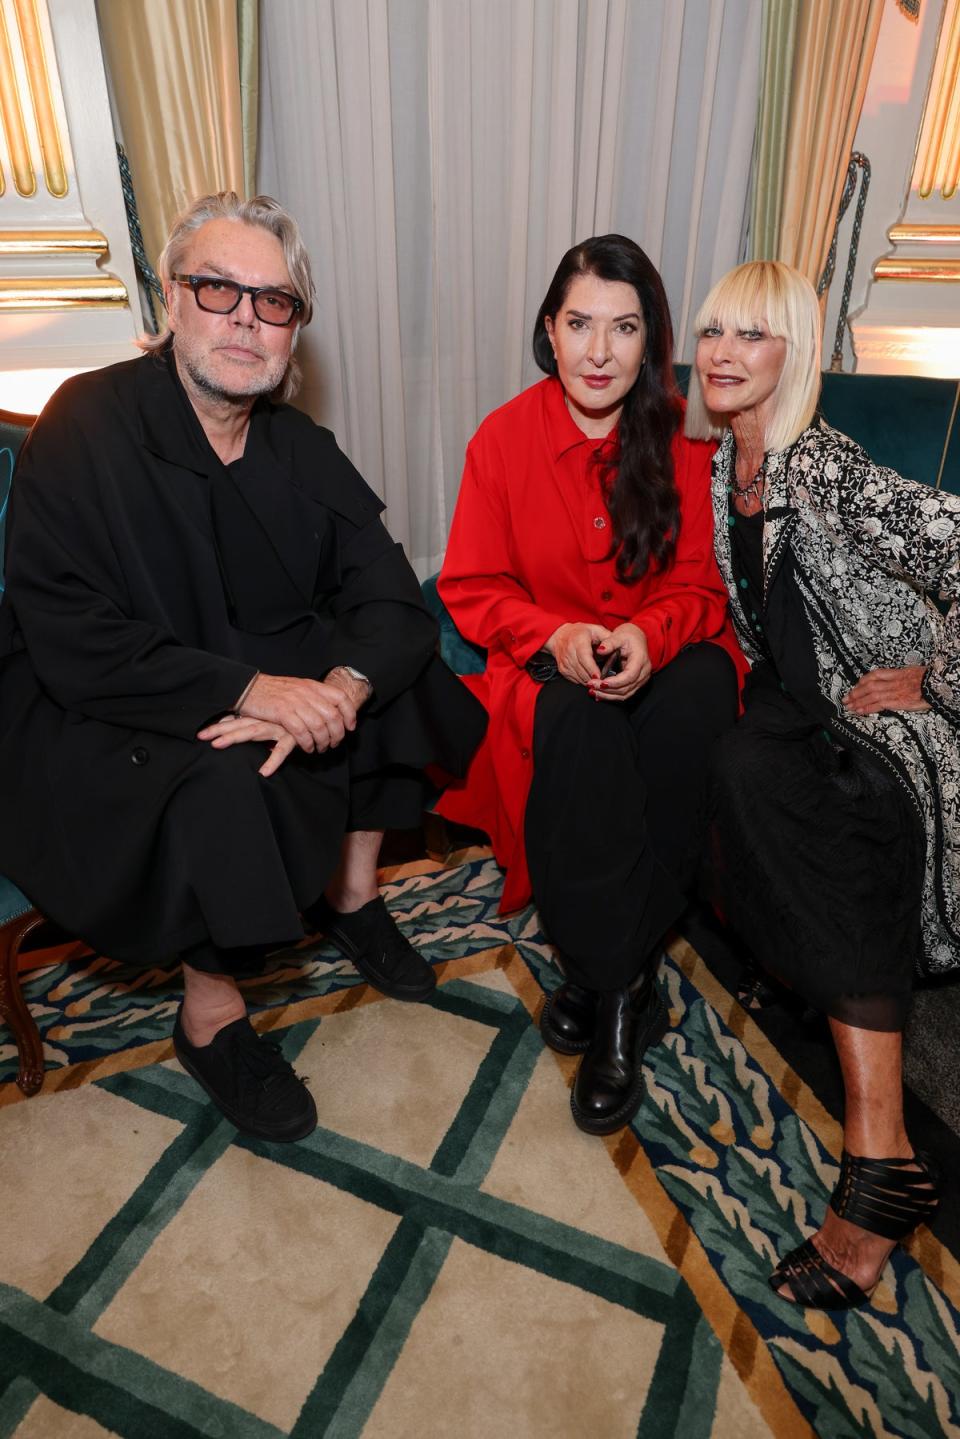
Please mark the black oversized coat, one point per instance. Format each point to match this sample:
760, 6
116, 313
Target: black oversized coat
146, 585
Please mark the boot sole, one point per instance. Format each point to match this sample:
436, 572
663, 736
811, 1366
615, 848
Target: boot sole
253, 1131
656, 1027
556, 1041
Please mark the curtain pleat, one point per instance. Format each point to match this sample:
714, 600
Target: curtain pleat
175, 73
779, 50
441, 156
817, 59
248, 46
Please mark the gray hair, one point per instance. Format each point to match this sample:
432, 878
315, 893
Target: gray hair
266, 212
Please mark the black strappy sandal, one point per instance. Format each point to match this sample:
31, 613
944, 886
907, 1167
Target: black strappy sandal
882, 1196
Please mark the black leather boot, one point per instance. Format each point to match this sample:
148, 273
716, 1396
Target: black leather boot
569, 1018
608, 1088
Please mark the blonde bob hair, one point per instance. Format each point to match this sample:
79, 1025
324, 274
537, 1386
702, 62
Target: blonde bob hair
269, 215
776, 297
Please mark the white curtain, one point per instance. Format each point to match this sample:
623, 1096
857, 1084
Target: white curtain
441, 155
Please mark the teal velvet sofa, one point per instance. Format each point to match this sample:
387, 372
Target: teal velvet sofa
908, 423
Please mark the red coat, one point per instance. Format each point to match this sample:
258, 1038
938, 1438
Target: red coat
527, 553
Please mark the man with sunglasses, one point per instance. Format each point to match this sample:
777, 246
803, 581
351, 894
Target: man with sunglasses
218, 679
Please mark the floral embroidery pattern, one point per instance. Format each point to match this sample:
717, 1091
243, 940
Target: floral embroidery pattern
870, 549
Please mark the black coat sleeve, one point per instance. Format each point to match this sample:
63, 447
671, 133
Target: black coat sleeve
382, 626
66, 587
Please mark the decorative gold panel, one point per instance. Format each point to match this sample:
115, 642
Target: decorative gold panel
34, 102
62, 293
938, 156
911, 268
52, 242
11, 113
909, 234
38, 78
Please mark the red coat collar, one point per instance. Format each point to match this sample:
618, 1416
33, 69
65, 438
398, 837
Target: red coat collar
562, 429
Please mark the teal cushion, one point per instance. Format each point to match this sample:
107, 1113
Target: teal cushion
13, 431
12, 902
462, 657
900, 420
950, 480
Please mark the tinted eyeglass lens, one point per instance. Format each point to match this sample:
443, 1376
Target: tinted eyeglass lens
273, 307
218, 295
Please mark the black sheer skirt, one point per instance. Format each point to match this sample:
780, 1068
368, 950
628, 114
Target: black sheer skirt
817, 857
817, 853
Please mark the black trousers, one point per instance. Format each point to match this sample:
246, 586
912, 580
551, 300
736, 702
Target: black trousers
391, 798
616, 809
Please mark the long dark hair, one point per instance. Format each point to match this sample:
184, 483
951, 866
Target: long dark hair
639, 484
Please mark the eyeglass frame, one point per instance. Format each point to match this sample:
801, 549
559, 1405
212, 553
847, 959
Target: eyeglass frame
252, 290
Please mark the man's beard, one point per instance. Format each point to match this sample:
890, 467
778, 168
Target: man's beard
263, 383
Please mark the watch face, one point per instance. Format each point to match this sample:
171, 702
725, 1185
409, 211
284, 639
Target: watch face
542, 667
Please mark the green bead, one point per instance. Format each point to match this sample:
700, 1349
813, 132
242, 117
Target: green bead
743, 584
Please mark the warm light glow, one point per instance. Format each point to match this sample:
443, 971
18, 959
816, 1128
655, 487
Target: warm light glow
25, 392
908, 350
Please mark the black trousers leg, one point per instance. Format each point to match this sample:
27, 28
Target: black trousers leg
615, 810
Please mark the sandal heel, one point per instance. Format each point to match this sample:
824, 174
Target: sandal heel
887, 1197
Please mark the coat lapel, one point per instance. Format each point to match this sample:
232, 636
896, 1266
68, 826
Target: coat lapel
293, 525
779, 516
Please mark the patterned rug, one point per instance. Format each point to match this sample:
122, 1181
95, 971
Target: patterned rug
447, 1255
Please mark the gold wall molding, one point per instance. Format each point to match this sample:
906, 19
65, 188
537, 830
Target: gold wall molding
938, 154
28, 103
52, 242
60, 292
11, 114
908, 267
38, 79
908, 234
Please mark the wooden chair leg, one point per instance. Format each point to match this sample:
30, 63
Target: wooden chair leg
13, 1010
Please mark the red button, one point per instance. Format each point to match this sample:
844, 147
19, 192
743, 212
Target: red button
606, 594
524, 754
599, 523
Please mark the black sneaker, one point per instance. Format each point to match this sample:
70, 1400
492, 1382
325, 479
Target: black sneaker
370, 939
249, 1081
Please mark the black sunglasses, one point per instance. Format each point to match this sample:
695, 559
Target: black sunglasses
221, 297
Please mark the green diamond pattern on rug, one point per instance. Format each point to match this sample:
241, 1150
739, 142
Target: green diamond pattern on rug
446, 1255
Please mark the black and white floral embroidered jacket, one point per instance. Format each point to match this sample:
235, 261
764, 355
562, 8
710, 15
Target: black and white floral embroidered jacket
867, 546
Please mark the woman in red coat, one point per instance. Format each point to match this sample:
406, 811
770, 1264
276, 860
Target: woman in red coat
581, 559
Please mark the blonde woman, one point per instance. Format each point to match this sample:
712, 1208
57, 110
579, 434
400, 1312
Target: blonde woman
837, 794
